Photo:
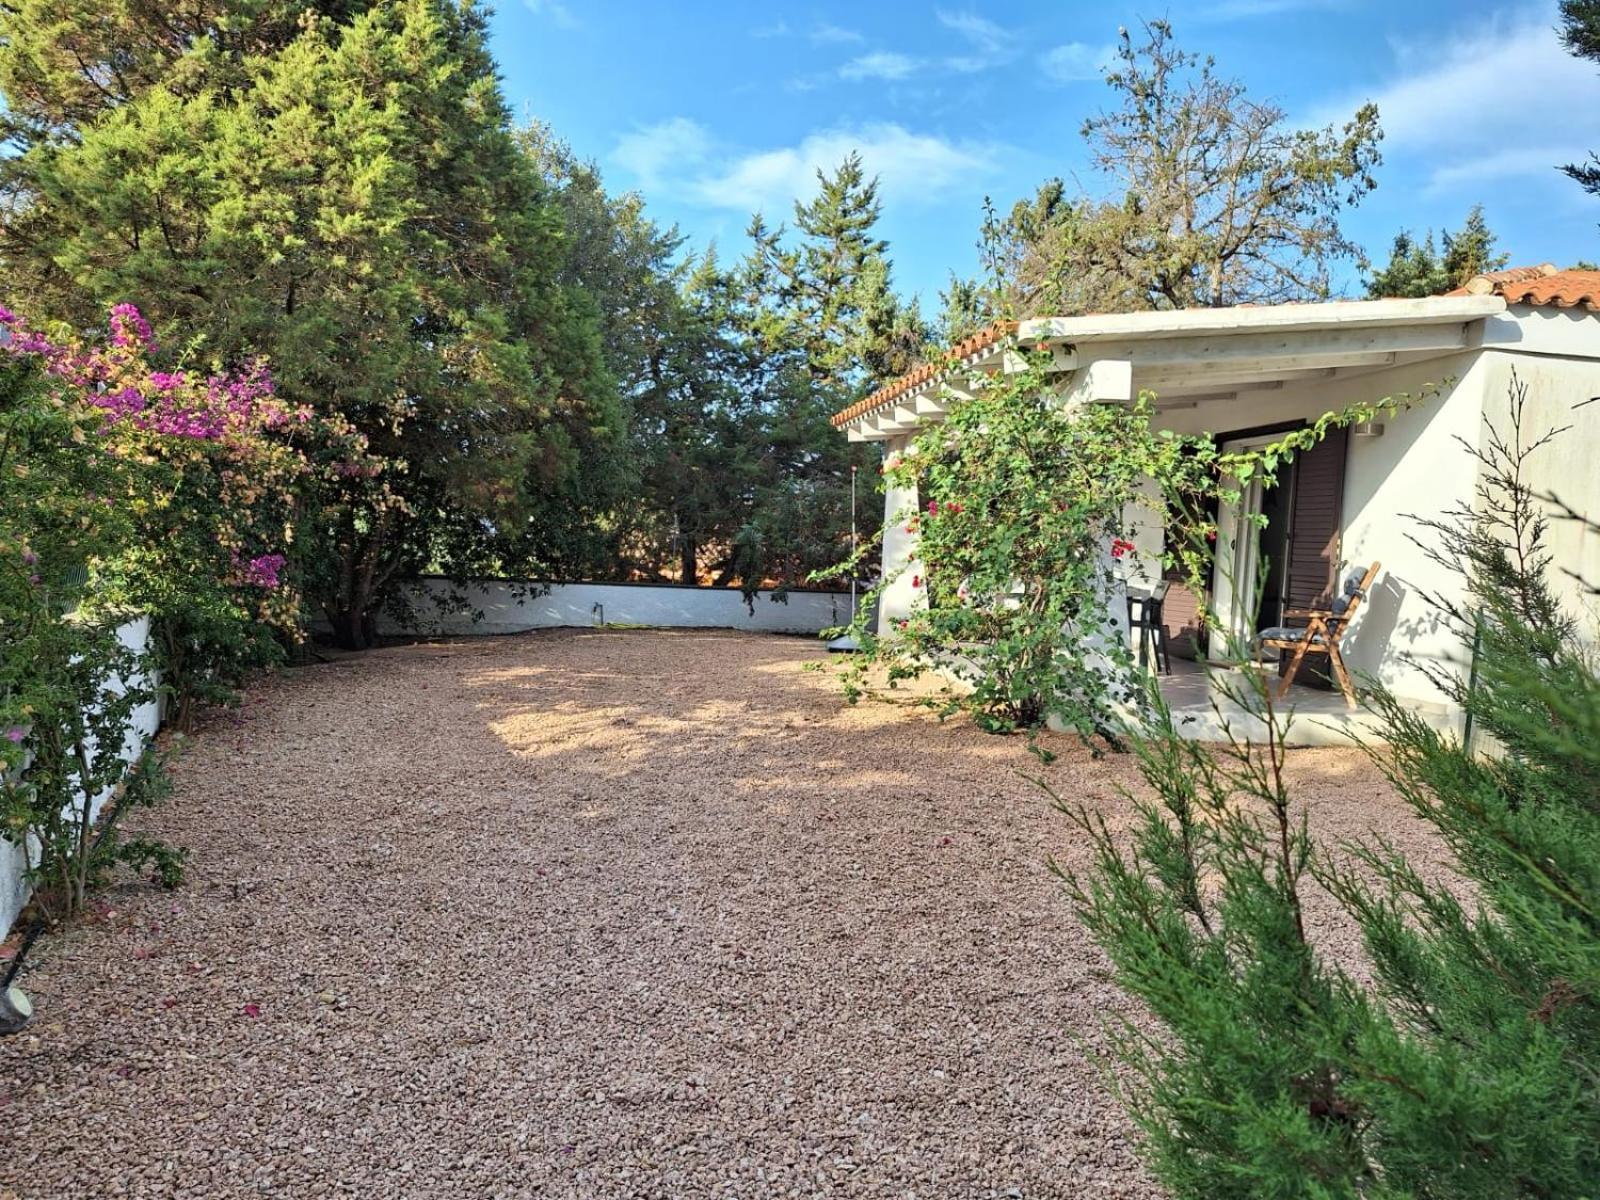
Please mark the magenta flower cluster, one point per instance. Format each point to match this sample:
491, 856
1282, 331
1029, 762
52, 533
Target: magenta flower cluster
264, 571
128, 327
168, 403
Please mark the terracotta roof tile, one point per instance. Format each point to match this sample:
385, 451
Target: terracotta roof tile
1541, 286
981, 340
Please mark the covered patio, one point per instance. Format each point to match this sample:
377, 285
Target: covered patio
1246, 376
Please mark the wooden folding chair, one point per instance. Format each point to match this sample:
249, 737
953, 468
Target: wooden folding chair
1322, 632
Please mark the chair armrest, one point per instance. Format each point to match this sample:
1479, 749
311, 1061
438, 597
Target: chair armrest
1308, 612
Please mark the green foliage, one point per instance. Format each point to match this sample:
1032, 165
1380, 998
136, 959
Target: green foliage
1471, 1066
1022, 515
1580, 30
68, 685
340, 191
1416, 269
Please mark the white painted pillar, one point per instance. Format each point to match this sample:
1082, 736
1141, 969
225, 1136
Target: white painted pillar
901, 567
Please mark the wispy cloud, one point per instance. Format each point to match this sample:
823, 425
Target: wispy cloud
554, 11
988, 44
777, 30
881, 64
1071, 62
825, 35
1473, 173
656, 153
680, 158
1473, 107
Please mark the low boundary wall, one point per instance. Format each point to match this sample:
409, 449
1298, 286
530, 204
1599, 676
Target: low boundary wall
509, 606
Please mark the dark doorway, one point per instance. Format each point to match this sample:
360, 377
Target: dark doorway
1277, 506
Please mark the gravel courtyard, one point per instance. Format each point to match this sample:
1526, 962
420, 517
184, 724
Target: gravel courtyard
590, 915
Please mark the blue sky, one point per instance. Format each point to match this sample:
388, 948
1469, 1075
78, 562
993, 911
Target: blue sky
714, 110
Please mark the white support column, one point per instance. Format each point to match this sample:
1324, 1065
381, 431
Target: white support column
900, 564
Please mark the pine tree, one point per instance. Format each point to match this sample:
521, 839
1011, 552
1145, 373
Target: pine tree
1580, 31
340, 190
1416, 269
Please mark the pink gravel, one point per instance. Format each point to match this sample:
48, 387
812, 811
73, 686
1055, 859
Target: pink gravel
595, 914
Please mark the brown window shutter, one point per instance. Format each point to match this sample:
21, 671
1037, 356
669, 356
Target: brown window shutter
1314, 524
1180, 613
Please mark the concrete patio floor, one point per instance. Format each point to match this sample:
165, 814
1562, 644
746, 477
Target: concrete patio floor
1316, 717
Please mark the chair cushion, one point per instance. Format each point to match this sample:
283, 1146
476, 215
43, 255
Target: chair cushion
1351, 589
1287, 633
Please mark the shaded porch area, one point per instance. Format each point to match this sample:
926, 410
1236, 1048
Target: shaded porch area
1319, 717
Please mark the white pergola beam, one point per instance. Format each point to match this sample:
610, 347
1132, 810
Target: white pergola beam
1285, 350
1100, 381
1341, 315
859, 433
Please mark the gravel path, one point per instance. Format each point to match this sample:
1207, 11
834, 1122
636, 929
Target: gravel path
591, 915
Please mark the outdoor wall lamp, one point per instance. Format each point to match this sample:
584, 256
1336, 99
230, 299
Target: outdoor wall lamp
1367, 429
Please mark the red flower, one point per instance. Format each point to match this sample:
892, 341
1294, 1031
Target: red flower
1121, 546
252, 1009
953, 507
933, 508
916, 581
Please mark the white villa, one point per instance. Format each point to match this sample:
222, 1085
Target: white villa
1247, 374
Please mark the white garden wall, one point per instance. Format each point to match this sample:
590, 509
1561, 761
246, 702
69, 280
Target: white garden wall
146, 720
506, 607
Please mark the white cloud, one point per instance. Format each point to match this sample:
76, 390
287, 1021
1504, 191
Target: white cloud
1074, 61
990, 45
881, 64
1469, 107
1473, 173
657, 152
826, 34
679, 157
554, 11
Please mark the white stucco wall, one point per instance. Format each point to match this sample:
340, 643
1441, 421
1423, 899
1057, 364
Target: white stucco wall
1567, 467
146, 720
507, 608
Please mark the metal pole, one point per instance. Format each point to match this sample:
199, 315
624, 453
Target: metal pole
854, 544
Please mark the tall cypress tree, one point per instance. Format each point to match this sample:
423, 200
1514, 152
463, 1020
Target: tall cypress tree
338, 188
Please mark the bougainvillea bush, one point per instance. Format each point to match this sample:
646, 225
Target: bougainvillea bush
1023, 520
132, 483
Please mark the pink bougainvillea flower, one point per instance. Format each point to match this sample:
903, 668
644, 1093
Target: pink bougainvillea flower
252, 1009
933, 508
129, 326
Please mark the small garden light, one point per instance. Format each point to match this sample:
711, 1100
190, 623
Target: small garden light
16, 1010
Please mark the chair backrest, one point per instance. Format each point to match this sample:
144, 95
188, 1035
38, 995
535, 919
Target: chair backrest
1350, 597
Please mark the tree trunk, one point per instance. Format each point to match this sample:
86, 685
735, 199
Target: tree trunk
351, 629
688, 568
